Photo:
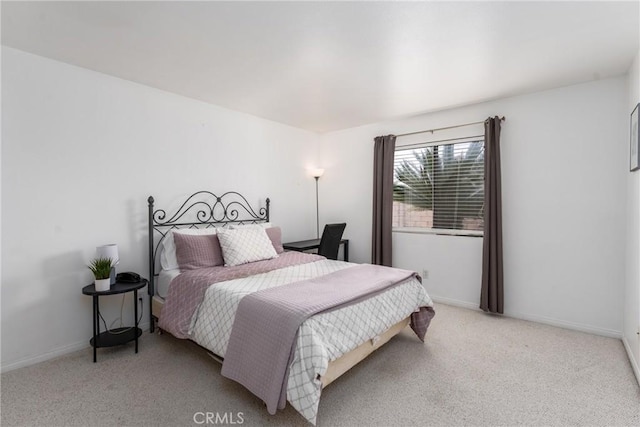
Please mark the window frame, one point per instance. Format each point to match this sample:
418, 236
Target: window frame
439, 231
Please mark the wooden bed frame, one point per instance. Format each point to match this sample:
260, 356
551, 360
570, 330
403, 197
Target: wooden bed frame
204, 209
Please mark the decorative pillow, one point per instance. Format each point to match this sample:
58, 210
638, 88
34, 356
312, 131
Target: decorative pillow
168, 259
197, 251
246, 244
275, 235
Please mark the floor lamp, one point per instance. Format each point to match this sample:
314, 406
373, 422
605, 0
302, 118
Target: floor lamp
317, 173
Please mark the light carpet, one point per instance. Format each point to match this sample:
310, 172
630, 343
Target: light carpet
474, 370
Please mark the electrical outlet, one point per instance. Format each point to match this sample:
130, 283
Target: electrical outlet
425, 273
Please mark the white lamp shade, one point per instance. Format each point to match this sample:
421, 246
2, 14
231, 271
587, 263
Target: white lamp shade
108, 251
317, 173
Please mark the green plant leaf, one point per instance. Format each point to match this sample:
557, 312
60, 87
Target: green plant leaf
101, 268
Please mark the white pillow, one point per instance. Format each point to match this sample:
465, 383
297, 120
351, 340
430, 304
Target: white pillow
168, 259
245, 244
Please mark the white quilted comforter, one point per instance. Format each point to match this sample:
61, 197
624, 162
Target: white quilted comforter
322, 338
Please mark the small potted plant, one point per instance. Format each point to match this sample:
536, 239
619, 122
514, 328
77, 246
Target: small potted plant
101, 269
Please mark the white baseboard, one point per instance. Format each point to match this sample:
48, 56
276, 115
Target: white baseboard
590, 329
60, 351
632, 359
455, 302
538, 319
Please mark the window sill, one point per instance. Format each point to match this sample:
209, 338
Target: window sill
441, 232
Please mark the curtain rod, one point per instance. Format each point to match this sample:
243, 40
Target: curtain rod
503, 118
423, 144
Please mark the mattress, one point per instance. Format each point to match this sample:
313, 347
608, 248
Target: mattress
164, 280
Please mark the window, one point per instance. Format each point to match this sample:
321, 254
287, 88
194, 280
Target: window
439, 187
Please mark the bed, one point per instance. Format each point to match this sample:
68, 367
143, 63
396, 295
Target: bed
219, 277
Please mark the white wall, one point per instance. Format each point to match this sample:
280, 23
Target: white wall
631, 338
81, 152
565, 215
564, 164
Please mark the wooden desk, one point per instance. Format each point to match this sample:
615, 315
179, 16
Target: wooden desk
306, 245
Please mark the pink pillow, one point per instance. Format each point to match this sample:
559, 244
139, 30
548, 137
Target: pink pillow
197, 251
275, 235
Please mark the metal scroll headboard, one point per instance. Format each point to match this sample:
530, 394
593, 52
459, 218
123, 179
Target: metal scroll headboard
202, 209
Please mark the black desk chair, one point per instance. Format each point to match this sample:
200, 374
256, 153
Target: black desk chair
330, 240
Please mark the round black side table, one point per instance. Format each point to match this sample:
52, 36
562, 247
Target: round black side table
118, 336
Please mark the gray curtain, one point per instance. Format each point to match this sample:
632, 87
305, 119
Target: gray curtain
384, 151
491, 296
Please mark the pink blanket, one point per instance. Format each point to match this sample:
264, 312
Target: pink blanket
266, 324
187, 290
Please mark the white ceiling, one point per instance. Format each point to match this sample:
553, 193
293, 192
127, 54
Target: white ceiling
324, 66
